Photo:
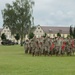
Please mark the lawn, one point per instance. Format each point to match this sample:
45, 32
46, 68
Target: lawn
13, 61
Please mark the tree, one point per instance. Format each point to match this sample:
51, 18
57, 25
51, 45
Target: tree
71, 31
3, 36
31, 35
17, 37
58, 34
18, 17
68, 36
44, 35
74, 33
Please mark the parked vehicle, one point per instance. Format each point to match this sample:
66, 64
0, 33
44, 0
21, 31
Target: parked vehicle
7, 42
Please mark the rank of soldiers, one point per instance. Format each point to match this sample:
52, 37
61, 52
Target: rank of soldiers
50, 46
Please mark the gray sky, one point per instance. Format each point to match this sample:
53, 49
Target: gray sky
50, 12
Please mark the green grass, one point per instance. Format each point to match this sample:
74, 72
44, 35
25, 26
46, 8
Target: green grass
13, 61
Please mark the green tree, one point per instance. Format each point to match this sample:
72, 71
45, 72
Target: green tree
18, 17
31, 35
68, 36
3, 36
44, 35
17, 37
58, 34
31, 30
74, 33
71, 31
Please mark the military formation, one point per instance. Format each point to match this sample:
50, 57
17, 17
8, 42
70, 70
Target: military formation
50, 46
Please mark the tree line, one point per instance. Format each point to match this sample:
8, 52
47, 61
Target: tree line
72, 32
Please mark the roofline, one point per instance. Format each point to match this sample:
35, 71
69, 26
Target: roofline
56, 26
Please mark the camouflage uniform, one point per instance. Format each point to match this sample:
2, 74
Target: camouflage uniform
59, 43
46, 46
26, 46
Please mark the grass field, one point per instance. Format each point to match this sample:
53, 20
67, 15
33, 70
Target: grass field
13, 61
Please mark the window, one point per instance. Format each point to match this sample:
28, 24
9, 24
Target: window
6, 27
40, 31
38, 27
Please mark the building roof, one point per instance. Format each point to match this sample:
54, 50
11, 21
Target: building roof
1, 29
49, 29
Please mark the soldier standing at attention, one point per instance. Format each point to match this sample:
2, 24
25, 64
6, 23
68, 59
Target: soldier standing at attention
32, 47
45, 46
26, 46
59, 44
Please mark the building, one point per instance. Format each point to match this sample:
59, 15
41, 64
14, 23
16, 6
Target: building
51, 31
8, 34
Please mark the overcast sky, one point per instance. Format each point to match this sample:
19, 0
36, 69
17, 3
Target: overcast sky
49, 12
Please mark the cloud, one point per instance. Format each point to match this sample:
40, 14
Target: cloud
2, 6
50, 12
54, 12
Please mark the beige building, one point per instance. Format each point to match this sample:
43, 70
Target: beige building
39, 31
51, 31
7, 32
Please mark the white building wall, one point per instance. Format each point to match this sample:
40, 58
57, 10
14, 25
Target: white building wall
7, 32
39, 32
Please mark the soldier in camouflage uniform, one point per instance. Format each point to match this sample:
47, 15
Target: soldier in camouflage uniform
63, 47
56, 47
72, 46
33, 48
45, 46
48, 44
41, 46
68, 47
59, 44
26, 46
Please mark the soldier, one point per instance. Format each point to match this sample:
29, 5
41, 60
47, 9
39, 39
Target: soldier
30, 46
56, 47
53, 47
63, 46
36, 45
72, 46
33, 47
41, 45
45, 47
59, 43
26, 46
48, 44
68, 47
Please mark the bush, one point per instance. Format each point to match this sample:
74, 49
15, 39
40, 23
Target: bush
31, 35
7, 42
